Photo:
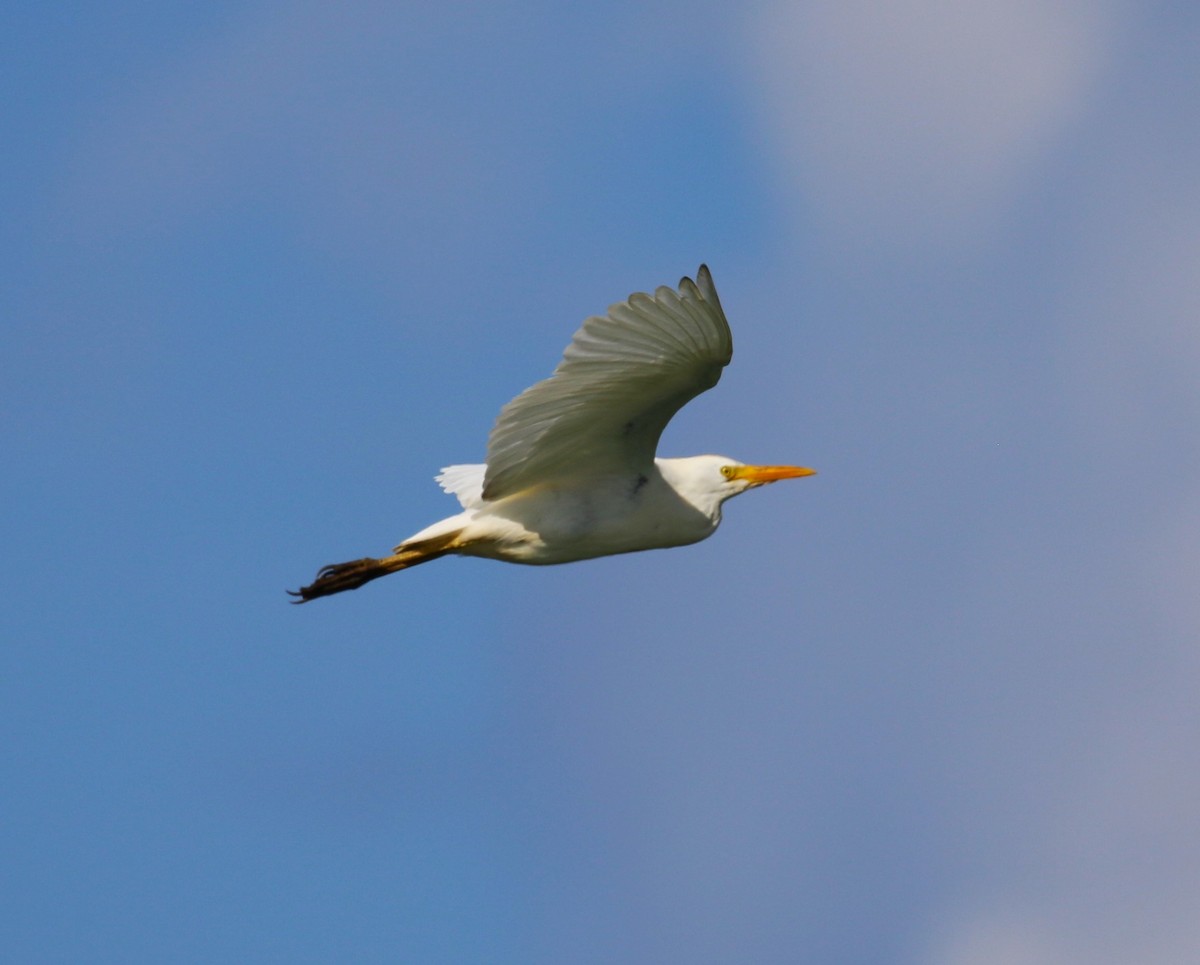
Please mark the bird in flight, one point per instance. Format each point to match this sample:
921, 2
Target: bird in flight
571, 471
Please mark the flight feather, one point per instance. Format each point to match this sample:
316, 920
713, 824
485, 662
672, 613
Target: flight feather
622, 378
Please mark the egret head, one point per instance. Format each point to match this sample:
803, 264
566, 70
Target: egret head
707, 481
737, 477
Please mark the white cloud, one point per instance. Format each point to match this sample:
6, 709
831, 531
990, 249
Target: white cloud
909, 121
996, 939
917, 123
1109, 838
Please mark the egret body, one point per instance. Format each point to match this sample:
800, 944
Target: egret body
571, 471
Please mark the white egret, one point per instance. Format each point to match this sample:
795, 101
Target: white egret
571, 471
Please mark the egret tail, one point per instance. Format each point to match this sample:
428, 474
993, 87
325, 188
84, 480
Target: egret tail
351, 575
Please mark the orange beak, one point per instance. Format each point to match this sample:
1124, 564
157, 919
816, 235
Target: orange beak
761, 475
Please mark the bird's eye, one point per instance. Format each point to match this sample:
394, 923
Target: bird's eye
727, 472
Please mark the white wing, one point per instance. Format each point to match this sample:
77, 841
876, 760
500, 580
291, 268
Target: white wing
465, 483
622, 378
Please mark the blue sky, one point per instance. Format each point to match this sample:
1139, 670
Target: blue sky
270, 266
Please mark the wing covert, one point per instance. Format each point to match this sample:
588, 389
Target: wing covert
465, 483
622, 378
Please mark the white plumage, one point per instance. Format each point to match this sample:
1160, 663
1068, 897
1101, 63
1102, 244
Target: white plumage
464, 483
571, 471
